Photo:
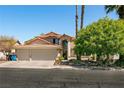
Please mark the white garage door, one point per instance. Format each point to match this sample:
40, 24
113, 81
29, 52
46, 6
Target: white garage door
44, 54
36, 54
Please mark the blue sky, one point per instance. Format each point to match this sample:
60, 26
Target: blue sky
25, 22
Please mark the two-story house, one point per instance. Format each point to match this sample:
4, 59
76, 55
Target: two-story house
46, 47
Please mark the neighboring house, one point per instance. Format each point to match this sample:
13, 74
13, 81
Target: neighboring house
46, 47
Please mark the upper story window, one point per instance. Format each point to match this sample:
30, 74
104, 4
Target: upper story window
54, 41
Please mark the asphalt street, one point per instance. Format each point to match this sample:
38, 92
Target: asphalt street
60, 78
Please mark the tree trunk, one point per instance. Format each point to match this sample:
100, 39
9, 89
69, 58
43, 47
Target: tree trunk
82, 16
76, 20
78, 56
121, 57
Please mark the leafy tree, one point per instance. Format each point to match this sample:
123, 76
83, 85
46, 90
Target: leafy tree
104, 37
119, 9
6, 43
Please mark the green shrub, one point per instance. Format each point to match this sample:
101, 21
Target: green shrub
119, 63
61, 58
103, 38
77, 62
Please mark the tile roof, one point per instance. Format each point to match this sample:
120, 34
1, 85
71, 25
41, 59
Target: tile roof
49, 35
37, 39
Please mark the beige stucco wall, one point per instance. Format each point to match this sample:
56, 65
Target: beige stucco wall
72, 49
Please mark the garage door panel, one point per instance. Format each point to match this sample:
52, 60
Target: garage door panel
43, 54
23, 54
36, 54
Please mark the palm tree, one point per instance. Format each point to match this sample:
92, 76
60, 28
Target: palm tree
82, 16
119, 9
76, 20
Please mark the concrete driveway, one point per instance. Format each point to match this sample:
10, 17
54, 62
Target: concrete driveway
27, 64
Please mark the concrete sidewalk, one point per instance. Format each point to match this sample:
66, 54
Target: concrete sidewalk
49, 65
26, 64
33, 64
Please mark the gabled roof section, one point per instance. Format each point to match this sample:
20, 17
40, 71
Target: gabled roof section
51, 34
67, 37
29, 42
